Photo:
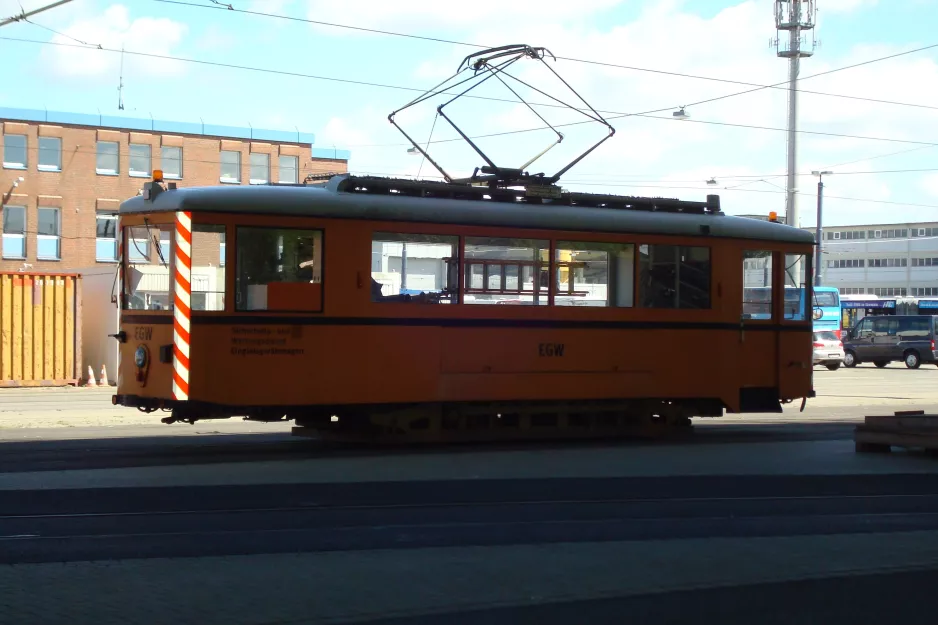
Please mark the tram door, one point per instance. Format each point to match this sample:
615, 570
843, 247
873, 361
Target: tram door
758, 357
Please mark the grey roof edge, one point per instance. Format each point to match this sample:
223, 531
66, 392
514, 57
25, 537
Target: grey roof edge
149, 124
323, 201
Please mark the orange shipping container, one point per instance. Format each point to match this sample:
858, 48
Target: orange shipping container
40, 326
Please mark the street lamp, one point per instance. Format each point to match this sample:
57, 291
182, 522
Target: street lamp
680, 114
820, 202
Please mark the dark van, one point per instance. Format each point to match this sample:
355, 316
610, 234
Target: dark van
885, 339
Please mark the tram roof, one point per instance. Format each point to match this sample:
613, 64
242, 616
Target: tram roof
341, 198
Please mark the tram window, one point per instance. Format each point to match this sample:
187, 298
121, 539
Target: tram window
757, 284
594, 274
674, 276
506, 271
147, 284
279, 269
416, 268
208, 273
796, 308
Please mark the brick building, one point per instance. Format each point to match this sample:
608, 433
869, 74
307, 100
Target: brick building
64, 175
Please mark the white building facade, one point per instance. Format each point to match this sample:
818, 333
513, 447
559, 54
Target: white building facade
893, 260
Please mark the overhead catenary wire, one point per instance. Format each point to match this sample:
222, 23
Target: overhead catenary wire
629, 178
23, 14
758, 87
649, 114
804, 193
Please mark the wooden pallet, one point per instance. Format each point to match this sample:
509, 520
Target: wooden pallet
903, 429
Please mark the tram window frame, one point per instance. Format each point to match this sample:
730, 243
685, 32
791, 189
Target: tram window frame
767, 271
619, 274
653, 291
449, 274
805, 266
314, 292
538, 266
151, 254
204, 260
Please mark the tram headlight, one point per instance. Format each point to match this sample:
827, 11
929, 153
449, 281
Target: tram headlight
140, 357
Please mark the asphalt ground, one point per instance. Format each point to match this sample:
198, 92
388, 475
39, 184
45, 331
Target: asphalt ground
749, 518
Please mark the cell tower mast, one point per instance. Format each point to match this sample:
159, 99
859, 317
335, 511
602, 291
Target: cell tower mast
792, 18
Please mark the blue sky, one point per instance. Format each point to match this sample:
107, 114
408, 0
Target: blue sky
648, 156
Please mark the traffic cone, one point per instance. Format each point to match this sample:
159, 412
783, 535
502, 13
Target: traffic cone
103, 381
91, 380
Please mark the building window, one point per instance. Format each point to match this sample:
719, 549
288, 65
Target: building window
849, 235
889, 262
260, 168
105, 245
14, 151
674, 276
845, 263
278, 269
506, 271
50, 154
14, 232
289, 169
594, 274
230, 166
48, 235
108, 160
171, 162
140, 160
925, 262
888, 291
414, 268
222, 250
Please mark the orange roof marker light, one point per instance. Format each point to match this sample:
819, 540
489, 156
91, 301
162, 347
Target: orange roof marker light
157, 175
773, 216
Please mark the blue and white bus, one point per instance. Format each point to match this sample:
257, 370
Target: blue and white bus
825, 309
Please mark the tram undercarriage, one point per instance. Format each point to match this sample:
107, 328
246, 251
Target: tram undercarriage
456, 422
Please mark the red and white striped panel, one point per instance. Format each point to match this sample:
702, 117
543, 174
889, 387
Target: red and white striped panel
182, 291
119, 234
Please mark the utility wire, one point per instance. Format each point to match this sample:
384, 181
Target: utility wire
805, 193
758, 87
610, 114
84, 43
623, 178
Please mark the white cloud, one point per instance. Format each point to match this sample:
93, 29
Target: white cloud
113, 29
651, 152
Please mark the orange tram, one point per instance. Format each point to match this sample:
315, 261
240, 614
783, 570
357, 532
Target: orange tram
373, 308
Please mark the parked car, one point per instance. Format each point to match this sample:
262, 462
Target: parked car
885, 339
828, 350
